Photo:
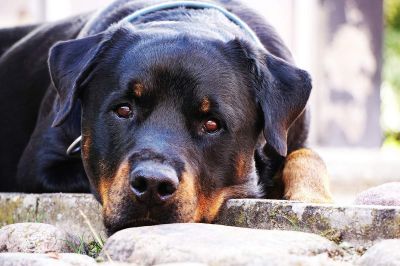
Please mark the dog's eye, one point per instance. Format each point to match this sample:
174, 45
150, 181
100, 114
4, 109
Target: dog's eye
124, 111
211, 126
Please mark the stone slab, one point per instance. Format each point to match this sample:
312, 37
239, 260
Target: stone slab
64, 211
352, 223
59, 209
219, 245
18, 207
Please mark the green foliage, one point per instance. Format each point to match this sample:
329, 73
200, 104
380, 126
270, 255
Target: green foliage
392, 14
78, 247
391, 68
91, 249
391, 64
392, 140
94, 248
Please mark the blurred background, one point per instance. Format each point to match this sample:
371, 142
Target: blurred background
352, 50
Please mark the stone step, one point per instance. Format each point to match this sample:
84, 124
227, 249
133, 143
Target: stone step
59, 209
353, 224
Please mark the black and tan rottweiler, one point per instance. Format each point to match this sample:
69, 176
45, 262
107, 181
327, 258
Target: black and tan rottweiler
179, 108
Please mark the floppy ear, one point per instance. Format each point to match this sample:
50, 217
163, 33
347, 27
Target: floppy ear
70, 63
282, 92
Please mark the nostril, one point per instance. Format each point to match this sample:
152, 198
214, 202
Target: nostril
166, 189
153, 183
139, 184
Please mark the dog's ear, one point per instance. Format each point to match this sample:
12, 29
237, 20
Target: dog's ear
282, 91
70, 63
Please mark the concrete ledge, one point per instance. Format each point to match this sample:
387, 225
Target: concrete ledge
354, 224
61, 210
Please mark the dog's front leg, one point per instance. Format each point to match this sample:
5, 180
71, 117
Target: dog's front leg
305, 177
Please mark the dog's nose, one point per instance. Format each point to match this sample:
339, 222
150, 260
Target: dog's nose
153, 183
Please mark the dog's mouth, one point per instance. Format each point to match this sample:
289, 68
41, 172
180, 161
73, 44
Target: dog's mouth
143, 222
134, 223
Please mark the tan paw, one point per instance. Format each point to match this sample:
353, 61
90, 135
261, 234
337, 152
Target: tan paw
309, 197
305, 178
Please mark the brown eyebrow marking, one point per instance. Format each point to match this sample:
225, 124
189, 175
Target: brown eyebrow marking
205, 105
138, 89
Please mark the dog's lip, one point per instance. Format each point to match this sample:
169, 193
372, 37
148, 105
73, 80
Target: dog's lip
149, 221
136, 223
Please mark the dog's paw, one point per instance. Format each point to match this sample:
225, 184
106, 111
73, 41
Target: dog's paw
309, 197
305, 178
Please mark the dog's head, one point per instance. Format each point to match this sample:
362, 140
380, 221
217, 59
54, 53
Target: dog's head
170, 123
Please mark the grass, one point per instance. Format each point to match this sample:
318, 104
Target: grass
98, 244
79, 247
92, 249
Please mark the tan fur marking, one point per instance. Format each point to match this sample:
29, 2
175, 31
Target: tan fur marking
305, 178
138, 89
205, 105
186, 197
104, 186
121, 181
240, 165
109, 187
86, 143
208, 206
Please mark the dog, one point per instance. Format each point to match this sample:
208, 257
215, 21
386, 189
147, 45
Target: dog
180, 106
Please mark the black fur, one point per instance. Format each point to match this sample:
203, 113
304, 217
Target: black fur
251, 90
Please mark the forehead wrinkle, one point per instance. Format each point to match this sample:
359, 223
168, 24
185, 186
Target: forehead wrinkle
201, 59
158, 48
